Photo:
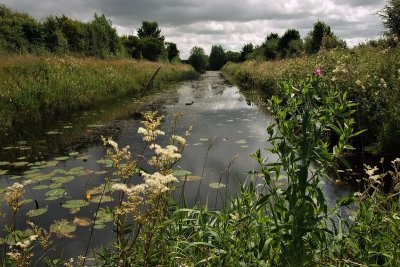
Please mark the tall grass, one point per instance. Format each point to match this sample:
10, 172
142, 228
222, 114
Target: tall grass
35, 90
370, 76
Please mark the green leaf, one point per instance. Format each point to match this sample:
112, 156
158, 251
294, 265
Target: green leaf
217, 185
37, 212
75, 203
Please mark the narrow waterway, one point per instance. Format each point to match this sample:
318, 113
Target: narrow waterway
227, 128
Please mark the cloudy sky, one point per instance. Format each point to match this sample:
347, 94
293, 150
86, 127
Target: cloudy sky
231, 23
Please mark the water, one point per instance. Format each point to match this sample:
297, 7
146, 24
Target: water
226, 124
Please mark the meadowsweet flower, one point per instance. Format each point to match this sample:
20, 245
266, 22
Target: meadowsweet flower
179, 139
119, 187
13, 196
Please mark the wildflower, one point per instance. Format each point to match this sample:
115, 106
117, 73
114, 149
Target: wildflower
13, 196
318, 71
120, 187
179, 139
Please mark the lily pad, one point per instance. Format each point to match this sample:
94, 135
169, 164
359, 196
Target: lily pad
4, 163
37, 212
106, 162
20, 164
67, 127
197, 144
203, 139
55, 193
26, 201
81, 221
55, 185
100, 172
2, 172
63, 228
63, 179
242, 141
73, 153
40, 187
96, 199
180, 173
75, 203
217, 185
52, 132
104, 216
99, 226
63, 158
9, 148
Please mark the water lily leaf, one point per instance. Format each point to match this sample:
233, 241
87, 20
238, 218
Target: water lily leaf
104, 216
191, 178
40, 187
99, 226
37, 212
73, 153
26, 201
51, 163
242, 141
4, 163
55, 185
197, 144
75, 203
2, 172
244, 146
22, 143
58, 192
81, 221
106, 162
203, 139
9, 148
67, 127
63, 158
217, 185
63, 228
20, 164
63, 179
180, 173
229, 120
24, 148
52, 132
100, 172
96, 199
41, 177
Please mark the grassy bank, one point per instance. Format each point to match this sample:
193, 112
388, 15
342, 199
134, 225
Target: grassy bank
36, 90
369, 75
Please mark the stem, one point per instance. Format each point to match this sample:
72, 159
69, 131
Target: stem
204, 167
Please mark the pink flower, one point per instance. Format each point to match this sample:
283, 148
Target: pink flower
318, 71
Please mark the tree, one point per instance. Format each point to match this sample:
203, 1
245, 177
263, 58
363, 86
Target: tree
198, 59
246, 50
152, 48
132, 46
217, 57
232, 56
321, 37
284, 42
150, 29
172, 51
390, 15
271, 46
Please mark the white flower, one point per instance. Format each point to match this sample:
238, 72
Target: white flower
119, 187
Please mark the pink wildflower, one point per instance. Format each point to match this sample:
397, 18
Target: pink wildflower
318, 71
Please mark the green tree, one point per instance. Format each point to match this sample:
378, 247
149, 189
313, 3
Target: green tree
198, 59
103, 40
390, 15
150, 29
284, 42
172, 51
246, 50
232, 56
132, 46
217, 57
270, 46
152, 48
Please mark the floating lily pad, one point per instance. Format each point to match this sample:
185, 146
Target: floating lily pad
100, 172
242, 141
73, 153
24, 148
63, 228
104, 216
81, 221
2, 172
51, 163
4, 163
217, 185
40, 187
26, 201
22, 143
52, 132
75, 203
106, 162
203, 139
63, 158
55, 185
67, 127
41, 177
191, 178
9, 148
104, 199
63, 179
229, 120
197, 144
20, 164
99, 226
180, 173
37, 212
244, 146
58, 192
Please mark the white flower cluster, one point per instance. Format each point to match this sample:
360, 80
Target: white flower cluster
26, 243
151, 123
150, 135
157, 182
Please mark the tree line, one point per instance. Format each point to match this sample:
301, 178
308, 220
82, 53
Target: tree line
21, 33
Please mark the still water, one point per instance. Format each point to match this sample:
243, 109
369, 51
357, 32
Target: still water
227, 128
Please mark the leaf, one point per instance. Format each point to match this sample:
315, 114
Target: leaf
104, 199
75, 203
36, 212
55, 185
81, 221
63, 228
63, 179
191, 178
4, 163
58, 192
242, 141
20, 164
40, 187
2, 172
73, 153
63, 158
52, 132
180, 173
217, 185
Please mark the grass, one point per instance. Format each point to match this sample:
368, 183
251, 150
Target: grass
36, 90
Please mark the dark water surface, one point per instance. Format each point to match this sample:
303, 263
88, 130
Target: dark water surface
220, 115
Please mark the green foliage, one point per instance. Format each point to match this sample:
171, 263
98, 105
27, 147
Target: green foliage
172, 52
246, 50
217, 57
198, 59
322, 37
390, 15
132, 46
285, 43
232, 56
150, 29
152, 48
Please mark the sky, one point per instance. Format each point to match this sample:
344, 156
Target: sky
230, 23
